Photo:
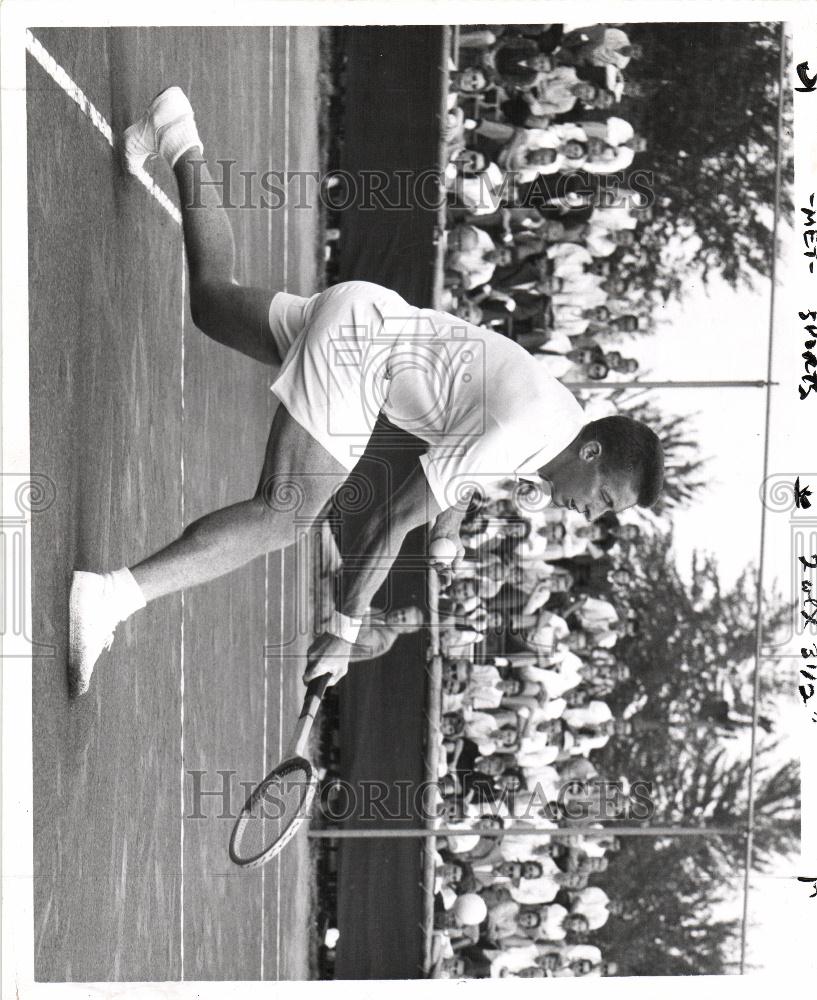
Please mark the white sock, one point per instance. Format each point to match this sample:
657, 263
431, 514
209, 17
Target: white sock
126, 594
178, 138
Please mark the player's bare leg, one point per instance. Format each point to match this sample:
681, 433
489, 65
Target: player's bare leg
287, 498
237, 317
234, 315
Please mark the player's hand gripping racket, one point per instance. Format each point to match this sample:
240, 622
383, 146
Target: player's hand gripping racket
280, 803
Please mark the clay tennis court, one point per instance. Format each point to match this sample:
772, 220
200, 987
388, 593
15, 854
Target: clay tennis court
143, 425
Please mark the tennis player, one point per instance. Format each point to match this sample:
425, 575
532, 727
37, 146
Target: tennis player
486, 409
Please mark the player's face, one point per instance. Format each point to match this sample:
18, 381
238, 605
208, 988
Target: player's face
549, 963
511, 686
531, 869
528, 920
585, 92
574, 150
585, 485
534, 972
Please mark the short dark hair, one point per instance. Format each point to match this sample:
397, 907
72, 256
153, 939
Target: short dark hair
632, 447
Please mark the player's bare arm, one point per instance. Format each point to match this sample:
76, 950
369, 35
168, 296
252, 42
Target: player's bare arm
375, 538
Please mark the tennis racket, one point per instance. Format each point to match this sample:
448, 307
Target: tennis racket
277, 806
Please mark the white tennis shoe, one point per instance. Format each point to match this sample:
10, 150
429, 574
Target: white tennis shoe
92, 619
166, 129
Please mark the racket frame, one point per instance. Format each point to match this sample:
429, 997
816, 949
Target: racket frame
295, 756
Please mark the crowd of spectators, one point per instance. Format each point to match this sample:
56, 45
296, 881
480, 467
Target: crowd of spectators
541, 215
532, 642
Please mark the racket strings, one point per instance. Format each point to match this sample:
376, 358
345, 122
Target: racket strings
274, 810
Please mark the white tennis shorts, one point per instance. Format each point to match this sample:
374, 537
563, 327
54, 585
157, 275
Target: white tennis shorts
335, 348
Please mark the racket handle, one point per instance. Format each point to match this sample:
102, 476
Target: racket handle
315, 691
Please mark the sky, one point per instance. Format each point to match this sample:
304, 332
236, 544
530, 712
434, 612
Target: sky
718, 334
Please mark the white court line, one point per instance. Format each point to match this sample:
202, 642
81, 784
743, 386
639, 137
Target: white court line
267, 557
281, 658
181, 661
96, 118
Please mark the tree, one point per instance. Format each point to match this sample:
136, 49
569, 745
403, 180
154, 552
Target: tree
705, 97
708, 108
688, 640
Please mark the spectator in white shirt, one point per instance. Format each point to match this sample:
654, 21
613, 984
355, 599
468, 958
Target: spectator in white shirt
557, 90
541, 631
602, 242
597, 45
593, 713
594, 614
476, 184
569, 258
472, 255
565, 672
551, 922
543, 889
594, 905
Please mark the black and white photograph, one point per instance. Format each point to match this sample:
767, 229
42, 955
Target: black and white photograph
409, 562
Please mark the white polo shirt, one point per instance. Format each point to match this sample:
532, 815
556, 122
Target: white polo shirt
487, 409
